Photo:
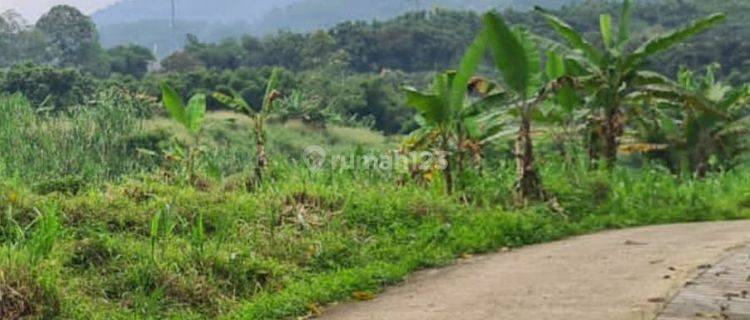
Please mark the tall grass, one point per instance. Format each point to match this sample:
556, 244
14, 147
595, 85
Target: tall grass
93, 142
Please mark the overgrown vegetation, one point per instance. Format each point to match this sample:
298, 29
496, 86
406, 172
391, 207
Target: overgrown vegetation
118, 200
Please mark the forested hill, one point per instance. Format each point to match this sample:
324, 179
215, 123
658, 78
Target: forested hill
214, 11
306, 15
292, 14
146, 22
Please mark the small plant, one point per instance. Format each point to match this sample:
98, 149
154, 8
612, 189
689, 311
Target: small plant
198, 234
259, 117
447, 119
162, 227
297, 106
42, 240
190, 116
28, 290
70, 185
93, 252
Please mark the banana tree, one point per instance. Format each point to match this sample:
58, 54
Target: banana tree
448, 118
701, 119
190, 116
259, 119
612, 72
517, 59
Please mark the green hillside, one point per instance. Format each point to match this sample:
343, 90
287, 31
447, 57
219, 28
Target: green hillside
306, 15
147, 24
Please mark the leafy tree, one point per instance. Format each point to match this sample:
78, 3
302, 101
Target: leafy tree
318, 50
5, 33
413, 42
11, 22
610, 73
284, 50
226, 54
181, 62
18, 42
130, 60
253, 50
72, 37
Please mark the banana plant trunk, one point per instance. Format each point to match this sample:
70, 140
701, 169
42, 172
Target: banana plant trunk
260, 144
448, 170
701, 167
593, 143
529, 184
701, 158
613, 130
460, 156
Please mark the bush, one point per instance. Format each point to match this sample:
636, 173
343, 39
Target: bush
48, 87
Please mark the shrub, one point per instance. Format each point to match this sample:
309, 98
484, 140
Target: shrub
48, 87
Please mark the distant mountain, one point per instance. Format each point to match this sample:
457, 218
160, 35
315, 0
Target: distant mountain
306, 15
146, 22
127, 11
162, 38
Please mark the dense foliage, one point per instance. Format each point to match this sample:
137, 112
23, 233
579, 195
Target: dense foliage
49, 87
372, 55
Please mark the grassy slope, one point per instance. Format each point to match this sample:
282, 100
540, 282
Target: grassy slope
304, 240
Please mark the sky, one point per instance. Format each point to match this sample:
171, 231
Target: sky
33, 9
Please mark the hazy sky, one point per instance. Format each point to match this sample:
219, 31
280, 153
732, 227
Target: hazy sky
32, 9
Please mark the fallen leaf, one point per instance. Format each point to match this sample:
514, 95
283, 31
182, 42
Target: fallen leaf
657, 300
731, 295
634, 243
363, 295
708, 315
656, 261
315, 309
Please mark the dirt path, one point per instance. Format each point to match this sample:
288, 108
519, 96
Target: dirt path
627, 274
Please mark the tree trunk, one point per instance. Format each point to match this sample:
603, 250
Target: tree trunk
700, 162
448, 170
460, 153
593, 147
529, 184
260, 144
613, 130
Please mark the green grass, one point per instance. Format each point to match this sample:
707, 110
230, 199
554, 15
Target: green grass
307, 239
126, 240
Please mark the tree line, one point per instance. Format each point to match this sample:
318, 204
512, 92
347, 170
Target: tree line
351, 72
